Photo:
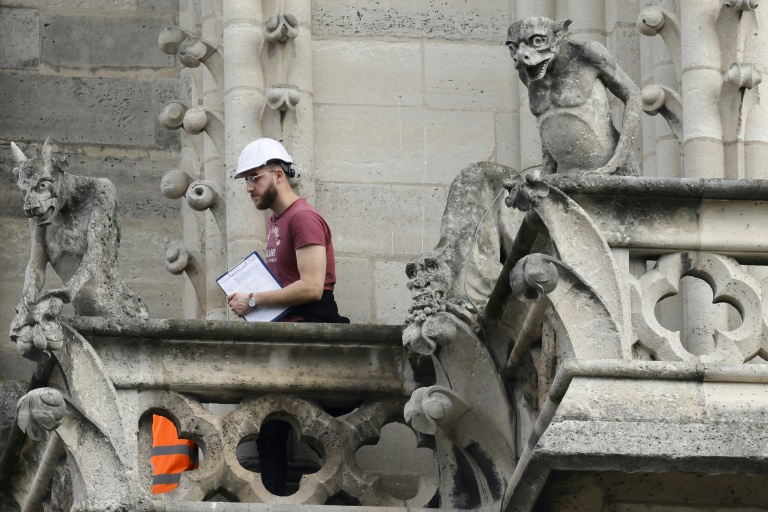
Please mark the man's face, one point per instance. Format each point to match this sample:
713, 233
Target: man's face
261, 186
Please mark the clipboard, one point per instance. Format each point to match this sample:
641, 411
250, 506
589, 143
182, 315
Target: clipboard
253, 275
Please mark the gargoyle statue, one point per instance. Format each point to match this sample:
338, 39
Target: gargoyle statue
430, 280
74, 227
567, 83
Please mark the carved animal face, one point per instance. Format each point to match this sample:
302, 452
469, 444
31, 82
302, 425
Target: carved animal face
39, 180
429, 277
534, 43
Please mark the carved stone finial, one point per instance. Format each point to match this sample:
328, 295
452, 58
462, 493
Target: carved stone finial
429, 407
40, 411
192, 51
283, 97
741, 5
176, 259
526, 193
179, 260
170, 39
743, 76
660, 99
175, 183
650, 21
172, 115
202, 195
195, 120
533, 277
281, 28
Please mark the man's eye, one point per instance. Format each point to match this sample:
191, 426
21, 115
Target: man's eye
431, 265
538, 41
42, 186
410, 270
512, 48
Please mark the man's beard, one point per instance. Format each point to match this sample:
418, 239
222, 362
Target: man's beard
267, 198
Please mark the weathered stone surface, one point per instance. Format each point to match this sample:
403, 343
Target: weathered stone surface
119, 111
388, 219
89, 42
508, 140
366, 72
391, 296
627, 400
401, 145
19, 38
154, 6
450, 19
10, 392
462, 76
736, 402
354, 279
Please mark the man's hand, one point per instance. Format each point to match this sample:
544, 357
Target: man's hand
238, 303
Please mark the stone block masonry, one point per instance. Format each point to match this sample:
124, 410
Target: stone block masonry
88, 74
19, 38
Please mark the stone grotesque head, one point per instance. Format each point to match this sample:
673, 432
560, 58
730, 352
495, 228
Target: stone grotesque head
39, 180
534, 43
429, 277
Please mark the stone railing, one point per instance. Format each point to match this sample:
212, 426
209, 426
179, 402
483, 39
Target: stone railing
336, 385
607, 376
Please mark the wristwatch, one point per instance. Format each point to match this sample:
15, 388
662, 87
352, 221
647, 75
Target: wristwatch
251, 301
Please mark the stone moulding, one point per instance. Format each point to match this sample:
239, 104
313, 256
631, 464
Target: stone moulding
730, 283
125, 370
536, 462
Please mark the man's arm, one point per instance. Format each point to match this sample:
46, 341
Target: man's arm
311, 262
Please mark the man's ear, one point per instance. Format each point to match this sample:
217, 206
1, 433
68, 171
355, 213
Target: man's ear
561, 27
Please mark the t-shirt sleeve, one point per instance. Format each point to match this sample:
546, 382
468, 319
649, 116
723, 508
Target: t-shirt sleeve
309, 228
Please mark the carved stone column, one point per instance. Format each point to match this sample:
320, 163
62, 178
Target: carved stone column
701, 83
243, 102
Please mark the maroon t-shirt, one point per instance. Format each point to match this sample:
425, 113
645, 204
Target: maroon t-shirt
298, 226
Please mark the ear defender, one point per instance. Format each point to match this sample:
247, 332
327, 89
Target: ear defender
288, 170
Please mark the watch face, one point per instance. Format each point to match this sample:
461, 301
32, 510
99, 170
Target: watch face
252, 302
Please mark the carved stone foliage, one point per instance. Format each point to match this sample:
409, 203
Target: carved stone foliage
40, 411
730, 283
583, 256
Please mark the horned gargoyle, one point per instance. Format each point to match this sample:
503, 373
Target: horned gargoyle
74, 227
567, 83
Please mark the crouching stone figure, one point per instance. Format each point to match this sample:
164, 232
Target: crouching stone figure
74, 227
567, 82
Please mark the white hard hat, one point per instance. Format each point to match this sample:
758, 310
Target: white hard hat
258, 153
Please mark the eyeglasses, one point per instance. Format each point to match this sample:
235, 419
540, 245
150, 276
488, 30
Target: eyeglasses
254, 179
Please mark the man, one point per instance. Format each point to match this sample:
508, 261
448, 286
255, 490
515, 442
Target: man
299, 244
300, 255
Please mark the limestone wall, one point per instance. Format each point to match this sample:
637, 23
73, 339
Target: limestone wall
405, 95
88, 74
